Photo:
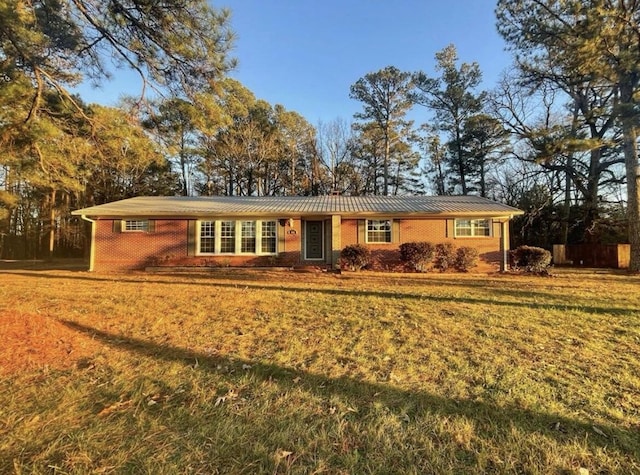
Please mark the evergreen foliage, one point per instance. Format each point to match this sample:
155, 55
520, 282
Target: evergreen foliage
417, 255
355, 257
454, 101
385, 98
531, 259
444, 256
466, 258
552, 140
591, 45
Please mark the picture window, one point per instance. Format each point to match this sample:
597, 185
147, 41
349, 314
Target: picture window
237, 237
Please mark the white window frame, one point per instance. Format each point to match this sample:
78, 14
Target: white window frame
143, 228
218, 237
473, 226
217, 225
252, 226
366, 231
263, 237
213, 235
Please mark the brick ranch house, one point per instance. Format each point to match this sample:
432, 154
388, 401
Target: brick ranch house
288, 231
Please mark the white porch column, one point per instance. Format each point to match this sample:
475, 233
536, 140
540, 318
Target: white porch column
336, 240
504, 245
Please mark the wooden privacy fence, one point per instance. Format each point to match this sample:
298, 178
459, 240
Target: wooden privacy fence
592, 255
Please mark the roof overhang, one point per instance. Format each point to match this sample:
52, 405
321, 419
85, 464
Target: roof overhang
396, 215
297, 207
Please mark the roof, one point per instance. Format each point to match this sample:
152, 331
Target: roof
292, 206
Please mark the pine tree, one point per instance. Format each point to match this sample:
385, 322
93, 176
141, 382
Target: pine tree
385, 98
594, 39
453, 99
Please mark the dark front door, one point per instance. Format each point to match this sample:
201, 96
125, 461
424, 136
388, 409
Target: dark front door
314, 231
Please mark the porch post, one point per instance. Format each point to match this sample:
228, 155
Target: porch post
504, 245
336, 240
92, 249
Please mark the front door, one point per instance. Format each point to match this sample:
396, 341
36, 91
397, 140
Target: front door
314, 237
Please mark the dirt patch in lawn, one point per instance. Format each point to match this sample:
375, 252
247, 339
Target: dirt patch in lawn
30, 341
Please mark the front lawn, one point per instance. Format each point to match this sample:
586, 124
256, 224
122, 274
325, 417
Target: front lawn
278, 372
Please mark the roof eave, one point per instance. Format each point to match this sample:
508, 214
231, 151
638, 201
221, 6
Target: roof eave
495, 214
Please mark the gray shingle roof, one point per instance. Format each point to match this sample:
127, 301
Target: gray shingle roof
292, 206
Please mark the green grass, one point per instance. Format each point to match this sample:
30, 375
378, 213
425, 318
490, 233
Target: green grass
276, 372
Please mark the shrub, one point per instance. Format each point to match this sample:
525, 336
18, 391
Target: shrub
531, 259
445, 256
355, 256
466, 258
416, 255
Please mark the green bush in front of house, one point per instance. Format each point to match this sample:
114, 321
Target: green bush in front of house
417, 255
445, 256
531, 259
466, 258
355, 257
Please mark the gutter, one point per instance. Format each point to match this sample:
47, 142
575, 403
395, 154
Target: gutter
495, 215
92, 249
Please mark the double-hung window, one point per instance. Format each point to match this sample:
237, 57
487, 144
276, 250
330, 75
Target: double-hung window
269, 237
378, 230
473, 227
227, 237
237, 237
248, 237
207, 237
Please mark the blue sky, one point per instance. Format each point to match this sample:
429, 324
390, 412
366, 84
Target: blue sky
305, 54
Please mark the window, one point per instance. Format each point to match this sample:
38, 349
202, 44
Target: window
207, 236
473, 227
227, 237
269, 236
237, 237
131, 225
248, 237
378, 230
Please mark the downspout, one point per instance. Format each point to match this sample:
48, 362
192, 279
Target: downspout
92, 249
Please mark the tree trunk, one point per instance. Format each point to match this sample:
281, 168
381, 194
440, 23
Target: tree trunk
483, 181
292, 191
591, 199
250, 182
633, 191
564, 230
629, 146
387, 149
52, 223
440, 180
183, 170
566, 209
461, 167
183, 165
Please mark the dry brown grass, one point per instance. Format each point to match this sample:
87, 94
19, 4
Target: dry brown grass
275, 372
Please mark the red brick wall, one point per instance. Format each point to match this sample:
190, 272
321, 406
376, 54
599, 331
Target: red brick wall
167, 245
115, 251
431, 230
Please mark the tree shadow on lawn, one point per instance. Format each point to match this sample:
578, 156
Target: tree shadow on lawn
491, 420
237, 281
62, 264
